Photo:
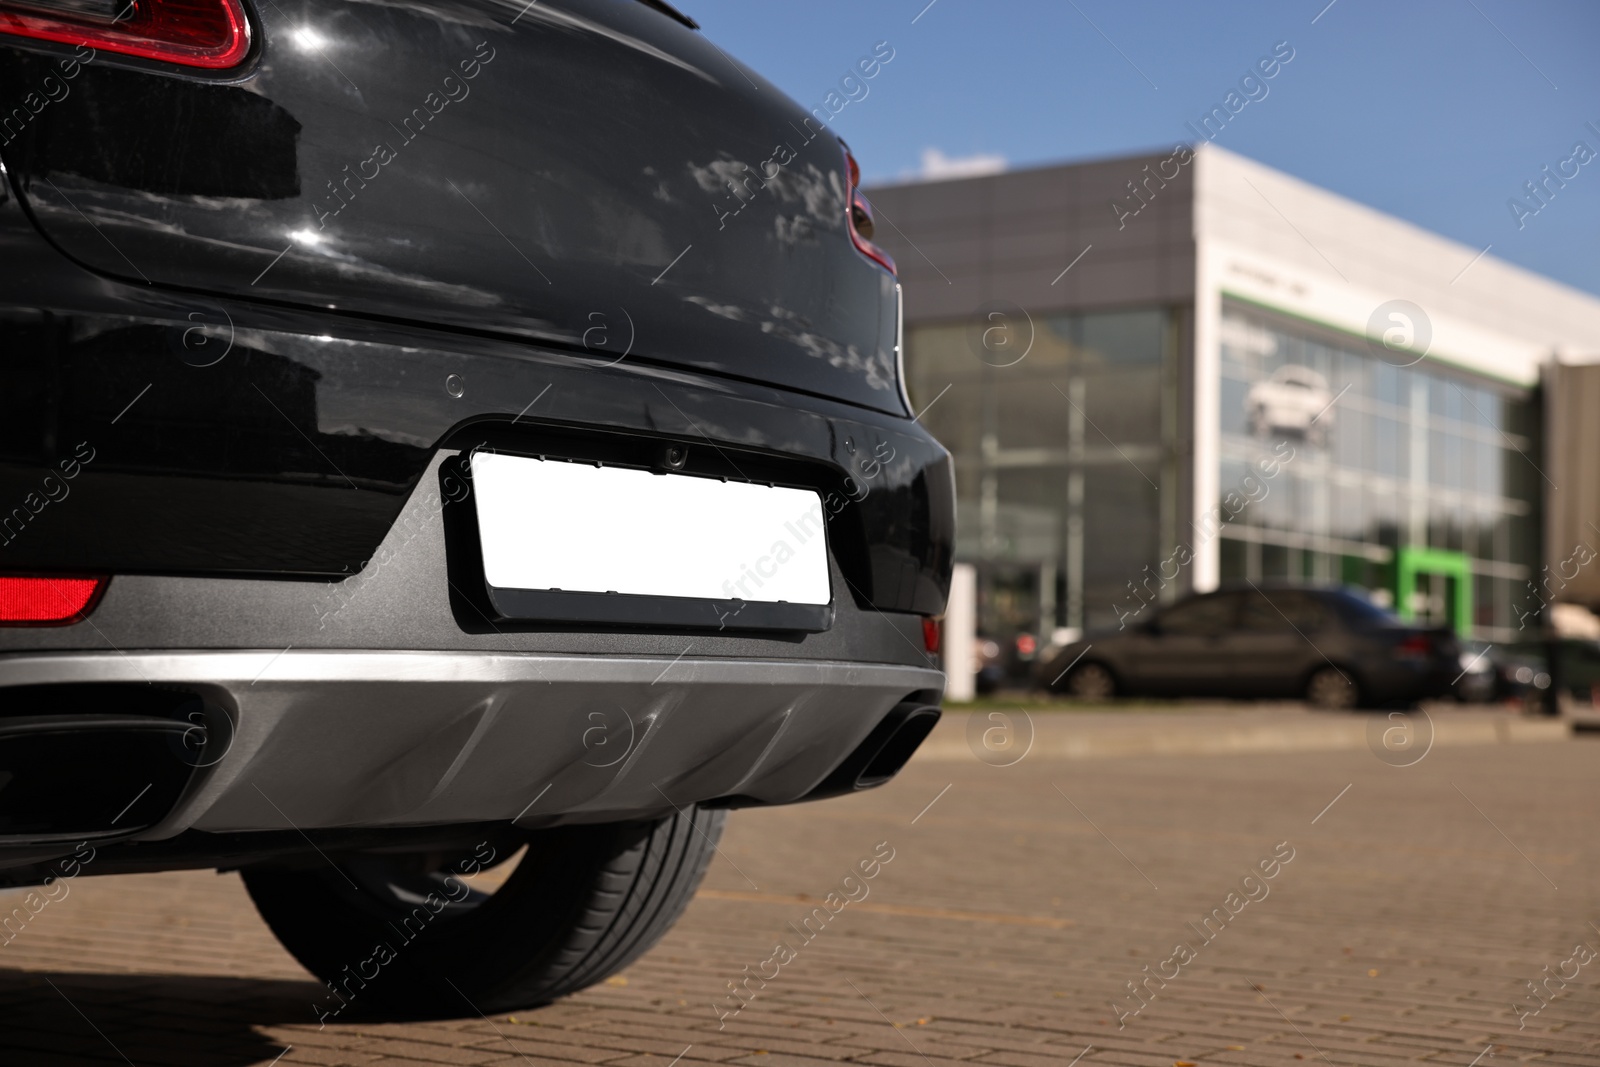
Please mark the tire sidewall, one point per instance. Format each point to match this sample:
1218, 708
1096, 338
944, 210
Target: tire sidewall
379, 956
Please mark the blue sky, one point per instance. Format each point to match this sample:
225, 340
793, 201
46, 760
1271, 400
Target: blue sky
1433, 110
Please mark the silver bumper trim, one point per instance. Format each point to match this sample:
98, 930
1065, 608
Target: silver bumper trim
361, 738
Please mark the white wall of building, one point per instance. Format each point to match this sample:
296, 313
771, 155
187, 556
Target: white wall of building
1335, 260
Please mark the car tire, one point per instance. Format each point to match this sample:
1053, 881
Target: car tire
1332, 689
582, 903
1091, 682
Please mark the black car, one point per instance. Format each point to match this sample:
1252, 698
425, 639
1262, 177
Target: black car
1330, 646
432, 434
1547, 674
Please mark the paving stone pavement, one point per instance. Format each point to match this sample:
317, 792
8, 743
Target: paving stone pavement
1407, 910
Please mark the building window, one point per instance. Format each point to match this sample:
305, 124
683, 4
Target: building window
1062, 431
1389, 463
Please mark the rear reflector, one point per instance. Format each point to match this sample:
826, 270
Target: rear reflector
42, 601
213, 34
930, 634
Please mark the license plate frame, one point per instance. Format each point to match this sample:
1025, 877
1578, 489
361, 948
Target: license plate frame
579, 543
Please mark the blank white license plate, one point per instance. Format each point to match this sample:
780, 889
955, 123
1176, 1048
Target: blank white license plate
558, 525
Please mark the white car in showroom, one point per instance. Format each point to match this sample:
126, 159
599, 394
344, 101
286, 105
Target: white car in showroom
1294, 401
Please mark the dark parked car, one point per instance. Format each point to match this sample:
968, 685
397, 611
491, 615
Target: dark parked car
1548, 674
1481, 674
1330, 646
430, 432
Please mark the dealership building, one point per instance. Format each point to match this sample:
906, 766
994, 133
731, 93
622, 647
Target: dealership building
1163, 373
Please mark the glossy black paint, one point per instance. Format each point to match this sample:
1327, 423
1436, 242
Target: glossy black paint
588, 173
234, 386
232, 438
250, 141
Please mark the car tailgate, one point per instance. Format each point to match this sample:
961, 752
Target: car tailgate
581, 172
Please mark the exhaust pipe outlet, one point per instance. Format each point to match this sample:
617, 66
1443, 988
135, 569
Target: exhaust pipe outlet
80, 777
886, 750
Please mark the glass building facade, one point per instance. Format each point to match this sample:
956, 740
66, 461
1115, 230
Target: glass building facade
1208, 399
1416, 482
1413, 482
1063, 431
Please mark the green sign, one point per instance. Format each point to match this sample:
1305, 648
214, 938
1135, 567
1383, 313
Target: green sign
1411, 561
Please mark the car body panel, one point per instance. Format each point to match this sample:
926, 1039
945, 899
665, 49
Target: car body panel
1272, 640
415, 593
1273, 647
227, 437
1183, 659
249, 398
584, 173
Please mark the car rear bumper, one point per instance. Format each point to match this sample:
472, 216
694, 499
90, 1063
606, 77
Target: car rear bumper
342, 738
266, 488
1409, 680
385, 701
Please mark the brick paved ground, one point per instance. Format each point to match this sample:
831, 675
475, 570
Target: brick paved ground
1002, 932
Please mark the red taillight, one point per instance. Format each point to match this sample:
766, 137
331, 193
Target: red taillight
1418, 645
213, 34
41, 601
930, 634
860, 220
